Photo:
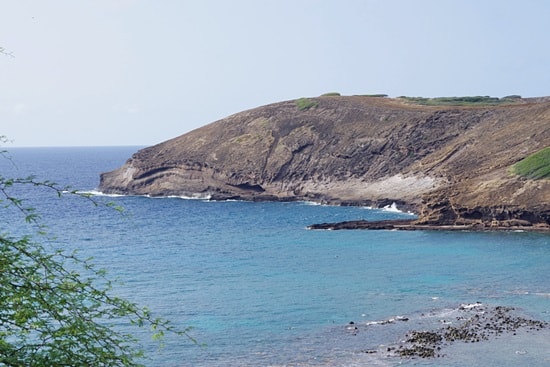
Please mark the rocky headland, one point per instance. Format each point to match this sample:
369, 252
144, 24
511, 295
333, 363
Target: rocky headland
453, 164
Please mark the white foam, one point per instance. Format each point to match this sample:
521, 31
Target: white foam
391, 320
99, 193
446, 312
375, 322
469, 306
305, 202
394, 209
197, 196
520, 292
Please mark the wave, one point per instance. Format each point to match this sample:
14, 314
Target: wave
390, 320
468, 306
394, 209
208, 197
98, 193
197, 196
314, 203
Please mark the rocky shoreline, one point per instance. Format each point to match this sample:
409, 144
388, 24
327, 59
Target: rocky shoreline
413, 225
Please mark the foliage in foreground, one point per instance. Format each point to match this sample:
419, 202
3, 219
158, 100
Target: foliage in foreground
536, 166
57, 309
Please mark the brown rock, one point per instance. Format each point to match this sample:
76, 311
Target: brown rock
450, 164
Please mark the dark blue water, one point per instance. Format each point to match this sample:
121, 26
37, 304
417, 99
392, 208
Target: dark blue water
262, 290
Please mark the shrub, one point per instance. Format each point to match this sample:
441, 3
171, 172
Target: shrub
331, 94
536, 166
305, 103
57, 309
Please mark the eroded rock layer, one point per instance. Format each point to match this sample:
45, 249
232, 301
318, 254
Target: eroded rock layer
449, 164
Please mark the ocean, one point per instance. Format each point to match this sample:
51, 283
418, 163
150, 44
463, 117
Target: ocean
260, 289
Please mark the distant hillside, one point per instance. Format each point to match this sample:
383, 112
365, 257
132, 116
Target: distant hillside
453, 163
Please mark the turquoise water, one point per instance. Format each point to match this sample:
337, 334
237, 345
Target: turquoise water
262, 290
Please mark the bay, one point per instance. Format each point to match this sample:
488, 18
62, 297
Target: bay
262, 290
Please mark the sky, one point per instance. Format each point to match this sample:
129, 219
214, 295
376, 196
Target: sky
139, 72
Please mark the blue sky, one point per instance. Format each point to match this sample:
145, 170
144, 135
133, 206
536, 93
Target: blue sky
137, 72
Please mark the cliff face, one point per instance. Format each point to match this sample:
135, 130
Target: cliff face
449, 164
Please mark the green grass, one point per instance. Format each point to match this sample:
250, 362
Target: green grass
306, 103
536, 166
463, 101
377, 95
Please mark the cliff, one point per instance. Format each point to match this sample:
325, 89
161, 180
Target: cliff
450, 164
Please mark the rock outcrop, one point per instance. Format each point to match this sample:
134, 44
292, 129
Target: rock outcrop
450, 164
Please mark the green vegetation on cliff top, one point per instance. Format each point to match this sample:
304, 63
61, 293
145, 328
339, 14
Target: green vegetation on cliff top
536, 166
305, 103
463, 101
